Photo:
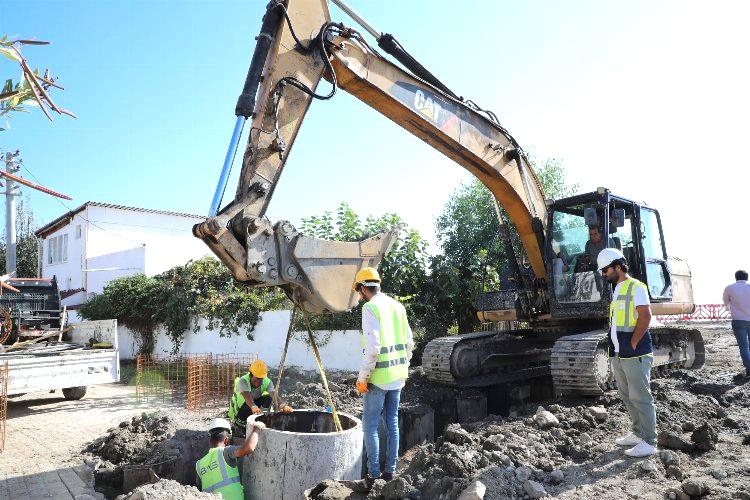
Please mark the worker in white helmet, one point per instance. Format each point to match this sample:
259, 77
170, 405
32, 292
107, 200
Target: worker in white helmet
631, 351
217, 470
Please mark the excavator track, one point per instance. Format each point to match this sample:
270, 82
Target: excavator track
485, 359
580, 363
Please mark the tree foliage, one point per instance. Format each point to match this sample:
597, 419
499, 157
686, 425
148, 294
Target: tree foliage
27, 245
174, 300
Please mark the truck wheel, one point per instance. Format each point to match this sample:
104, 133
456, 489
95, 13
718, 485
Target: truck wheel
74, 393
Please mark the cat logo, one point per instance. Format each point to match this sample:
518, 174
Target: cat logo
427, 106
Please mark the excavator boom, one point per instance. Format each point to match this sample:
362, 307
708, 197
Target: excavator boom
298, 45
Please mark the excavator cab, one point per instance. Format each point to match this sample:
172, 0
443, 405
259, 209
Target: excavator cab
579, 228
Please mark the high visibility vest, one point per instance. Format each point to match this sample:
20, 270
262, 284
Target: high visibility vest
217, 475
392, 362
237, 400
625, 314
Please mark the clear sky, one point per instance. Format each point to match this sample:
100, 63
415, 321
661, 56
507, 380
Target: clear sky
647, 98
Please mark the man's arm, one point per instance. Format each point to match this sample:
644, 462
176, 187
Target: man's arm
248, 399
725, 297
641, 324
252, 440
371, 330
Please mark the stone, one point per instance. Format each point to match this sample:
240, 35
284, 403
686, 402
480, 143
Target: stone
397, 489
377, 489
675, 473
705, 437
557, 433
687, 426
523, 473
648, 466
674, 441
557, 476
676, 494
694, 487
584, 439
545, 419
719, 474
534, 489
669, 457
456, 435
475, 491
332, 490
598, 412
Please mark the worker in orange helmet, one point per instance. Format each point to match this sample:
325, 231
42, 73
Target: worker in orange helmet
253, 393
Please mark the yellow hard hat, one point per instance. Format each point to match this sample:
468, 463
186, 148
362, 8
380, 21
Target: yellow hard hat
365, 276
258, 369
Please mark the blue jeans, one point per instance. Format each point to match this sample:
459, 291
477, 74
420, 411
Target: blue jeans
377, 402
741, 331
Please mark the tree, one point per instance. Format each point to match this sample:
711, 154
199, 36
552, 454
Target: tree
474, 259
27, 245
32, 88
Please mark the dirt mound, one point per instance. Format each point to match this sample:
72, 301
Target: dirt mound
166, 488
130, 439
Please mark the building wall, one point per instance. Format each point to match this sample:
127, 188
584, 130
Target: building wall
339, 350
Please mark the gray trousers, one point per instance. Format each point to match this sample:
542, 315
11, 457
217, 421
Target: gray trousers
634, 385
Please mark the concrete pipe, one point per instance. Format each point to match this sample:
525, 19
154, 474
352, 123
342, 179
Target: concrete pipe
299, 450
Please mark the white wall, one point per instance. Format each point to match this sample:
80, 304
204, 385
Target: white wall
342, 351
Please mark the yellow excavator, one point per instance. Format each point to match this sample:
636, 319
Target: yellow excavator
560, 297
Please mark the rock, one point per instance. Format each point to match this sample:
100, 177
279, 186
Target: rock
557, 433
495, 443
676, 494
731, 423
673, 441
523, 473
694, 487
330, 490
668, 457
687, 426
675, 473
557, 476
705, 437
456, 435
534, 489
545, 419
357, 486
719, 474
584, 439
555, 408
598, 412
648, 466
377, 489
475, 491
397, 489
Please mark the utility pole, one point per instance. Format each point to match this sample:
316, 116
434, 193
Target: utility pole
12, 165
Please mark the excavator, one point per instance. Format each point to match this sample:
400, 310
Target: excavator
559, 298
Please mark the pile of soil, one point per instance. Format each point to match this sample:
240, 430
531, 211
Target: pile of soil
566, 449
166, 488
129, 441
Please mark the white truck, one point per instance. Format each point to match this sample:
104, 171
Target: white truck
68, 366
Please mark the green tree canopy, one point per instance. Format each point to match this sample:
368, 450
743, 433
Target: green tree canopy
27, 246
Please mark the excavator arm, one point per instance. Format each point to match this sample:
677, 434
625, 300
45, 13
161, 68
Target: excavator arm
297, 46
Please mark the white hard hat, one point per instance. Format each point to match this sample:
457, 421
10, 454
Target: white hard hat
219, 423
608, 256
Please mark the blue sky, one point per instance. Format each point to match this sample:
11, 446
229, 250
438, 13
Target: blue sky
647, 98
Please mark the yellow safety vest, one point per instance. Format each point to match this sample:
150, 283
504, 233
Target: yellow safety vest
237, 400
217, 475
392, 362
624, 314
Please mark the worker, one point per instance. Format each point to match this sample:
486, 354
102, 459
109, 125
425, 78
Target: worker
594, 245
387, 346
253, 392
217, 470
631, 351
737, 300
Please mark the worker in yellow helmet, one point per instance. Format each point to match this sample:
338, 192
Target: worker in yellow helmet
387, 345
253, 393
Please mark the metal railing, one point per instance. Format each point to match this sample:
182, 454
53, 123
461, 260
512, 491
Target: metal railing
703, 312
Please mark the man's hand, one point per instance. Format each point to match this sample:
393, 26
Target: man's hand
255, 410
286, 409
362, 386
633, 343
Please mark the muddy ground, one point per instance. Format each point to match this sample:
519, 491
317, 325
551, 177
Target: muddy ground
564, 449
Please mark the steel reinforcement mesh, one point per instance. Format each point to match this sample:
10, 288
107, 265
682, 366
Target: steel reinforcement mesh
3, 402
198, 382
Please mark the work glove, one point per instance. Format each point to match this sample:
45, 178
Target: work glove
259, 425
255, 410
362, 386
286, 409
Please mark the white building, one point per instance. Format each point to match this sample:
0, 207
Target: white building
97, 242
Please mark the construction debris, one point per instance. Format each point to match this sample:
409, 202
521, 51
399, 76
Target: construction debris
166, 488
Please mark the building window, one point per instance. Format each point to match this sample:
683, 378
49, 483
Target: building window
78, 232
57, 249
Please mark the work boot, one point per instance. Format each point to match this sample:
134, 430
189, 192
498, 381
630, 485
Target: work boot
387, 476
642, 449
369, 481
629, 440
